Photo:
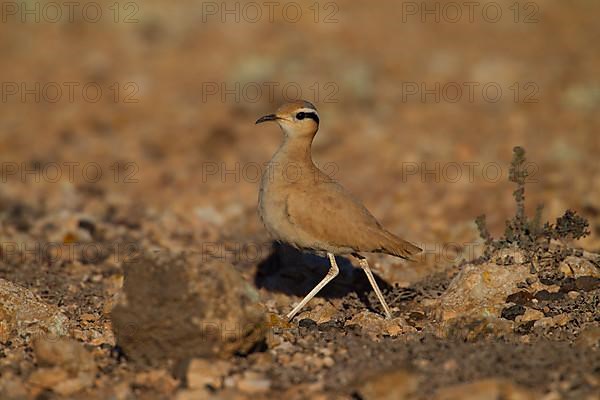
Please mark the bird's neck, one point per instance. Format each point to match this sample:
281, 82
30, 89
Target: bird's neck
295, 150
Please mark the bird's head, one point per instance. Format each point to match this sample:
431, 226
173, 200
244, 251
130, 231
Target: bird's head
296, 119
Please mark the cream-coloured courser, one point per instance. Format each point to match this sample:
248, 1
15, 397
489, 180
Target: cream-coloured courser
302, 206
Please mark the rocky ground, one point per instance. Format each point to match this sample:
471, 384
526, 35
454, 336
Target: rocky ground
108, 310
141, 270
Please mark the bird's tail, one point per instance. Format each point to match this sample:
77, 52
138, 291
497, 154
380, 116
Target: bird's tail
399, 247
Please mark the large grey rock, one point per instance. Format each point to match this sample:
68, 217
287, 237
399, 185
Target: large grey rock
480, 291
175, 307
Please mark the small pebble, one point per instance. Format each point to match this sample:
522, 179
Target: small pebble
328, 362
307, 323
573, 295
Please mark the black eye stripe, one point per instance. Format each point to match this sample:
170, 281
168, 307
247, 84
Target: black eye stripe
301, 115
313, 116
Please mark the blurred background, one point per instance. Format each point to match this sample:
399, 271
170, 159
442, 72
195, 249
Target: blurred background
133, 122
154, 103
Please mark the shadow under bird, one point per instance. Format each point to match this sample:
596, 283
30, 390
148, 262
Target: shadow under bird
302, 206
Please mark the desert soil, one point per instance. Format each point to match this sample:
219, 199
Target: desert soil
146, 273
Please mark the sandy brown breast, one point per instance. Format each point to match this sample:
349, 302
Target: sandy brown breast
317, 213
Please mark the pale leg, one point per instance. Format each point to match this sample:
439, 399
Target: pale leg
365, 266
332, 273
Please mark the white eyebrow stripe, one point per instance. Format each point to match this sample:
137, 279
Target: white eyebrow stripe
308, 110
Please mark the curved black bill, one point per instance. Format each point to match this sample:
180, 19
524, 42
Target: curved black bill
270, 117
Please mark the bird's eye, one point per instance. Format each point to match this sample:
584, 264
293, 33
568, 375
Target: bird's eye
300, 115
